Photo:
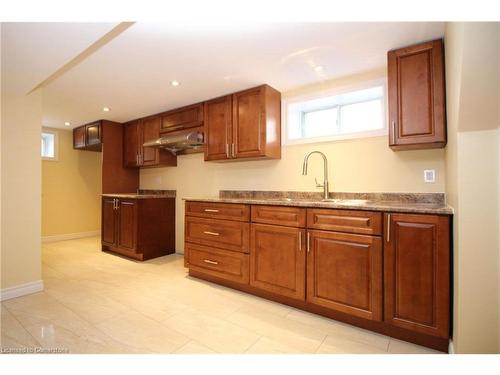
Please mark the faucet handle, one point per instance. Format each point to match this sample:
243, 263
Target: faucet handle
317, 183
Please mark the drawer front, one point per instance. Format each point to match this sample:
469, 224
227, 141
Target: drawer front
219, 263
362, 222
279, 215
227, 211
224, 234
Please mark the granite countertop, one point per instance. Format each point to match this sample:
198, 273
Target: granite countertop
426, 203
144, 194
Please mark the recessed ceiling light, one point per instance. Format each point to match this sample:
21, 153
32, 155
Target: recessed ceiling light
174, 83
318, 68
67, 123
106, 109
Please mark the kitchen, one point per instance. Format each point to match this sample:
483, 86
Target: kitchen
320, 204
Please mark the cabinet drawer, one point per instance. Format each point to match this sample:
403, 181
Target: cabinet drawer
219, 263
362, 222
225, 234
228, 211
279, 215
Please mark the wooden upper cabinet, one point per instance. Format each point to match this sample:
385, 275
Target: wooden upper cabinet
135, 154
88, 137
251, 130
131, 144
79, 137
150, 130
344, 273
417, 117
278, 260
93, 133
417, 273
218, 128
182, 118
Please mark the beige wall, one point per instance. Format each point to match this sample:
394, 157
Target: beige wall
472, 184
21, 175
71, 188
366, 165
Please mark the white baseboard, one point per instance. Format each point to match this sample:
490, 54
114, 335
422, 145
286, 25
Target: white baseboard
21, 290
70, 236
451, 348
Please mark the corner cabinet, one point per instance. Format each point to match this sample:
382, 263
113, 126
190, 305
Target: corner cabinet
141, 228
416, 88
135, 154
244, 125
88, 137
417, 273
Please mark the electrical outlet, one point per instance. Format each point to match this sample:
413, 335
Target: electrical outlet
430, 176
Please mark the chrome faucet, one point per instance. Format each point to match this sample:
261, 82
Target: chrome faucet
325, 175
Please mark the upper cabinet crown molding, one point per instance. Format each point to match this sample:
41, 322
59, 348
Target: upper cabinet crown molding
416, 88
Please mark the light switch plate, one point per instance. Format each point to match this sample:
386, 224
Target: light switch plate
429, 175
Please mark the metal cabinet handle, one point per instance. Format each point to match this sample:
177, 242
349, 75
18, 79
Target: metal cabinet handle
210, 261
300, 240
308, 241
212, 233
210, 210
388, 239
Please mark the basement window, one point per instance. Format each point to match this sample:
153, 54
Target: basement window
49, 145
336, 115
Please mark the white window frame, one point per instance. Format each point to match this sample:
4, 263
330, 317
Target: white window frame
382, 81
56, 144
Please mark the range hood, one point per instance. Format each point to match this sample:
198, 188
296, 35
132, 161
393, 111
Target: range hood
180, 143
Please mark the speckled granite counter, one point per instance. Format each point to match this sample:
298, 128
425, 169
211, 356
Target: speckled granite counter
426, 203
144, 194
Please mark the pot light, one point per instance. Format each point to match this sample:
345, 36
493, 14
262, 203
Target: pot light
106, 109
319, 68
67, 123
174, 83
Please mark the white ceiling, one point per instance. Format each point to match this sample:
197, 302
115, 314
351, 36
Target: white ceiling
131, 74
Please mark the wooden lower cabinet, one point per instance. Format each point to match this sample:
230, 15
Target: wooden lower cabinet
277, 260
392, 276
141, 228
417, 273
344, 273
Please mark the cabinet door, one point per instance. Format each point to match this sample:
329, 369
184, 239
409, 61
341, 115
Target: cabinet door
131, 144
183, 118
417, 96
149, 131
344, 273
218, 123
127, 224
93, 134
277, 260
79, 137
249, 125
108, 222
416, 273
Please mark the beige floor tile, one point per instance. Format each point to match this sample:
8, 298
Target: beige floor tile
192, 347
55, 326
341, 345
215, 333
403, 347
302, 337
13, 334
266, 345
142, 333
340, 330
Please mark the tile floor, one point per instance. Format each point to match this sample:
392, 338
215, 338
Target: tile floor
100, 303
